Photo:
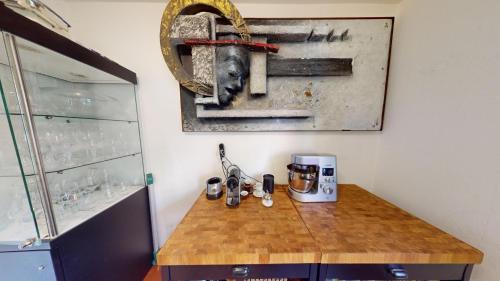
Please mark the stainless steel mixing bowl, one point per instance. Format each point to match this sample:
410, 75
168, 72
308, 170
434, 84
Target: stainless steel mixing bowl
301, 178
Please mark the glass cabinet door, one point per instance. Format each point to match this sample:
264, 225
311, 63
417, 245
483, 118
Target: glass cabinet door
88, 133
21, 215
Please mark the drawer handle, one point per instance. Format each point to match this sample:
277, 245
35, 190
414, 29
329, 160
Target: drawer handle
27, 243
241, 271
398, 272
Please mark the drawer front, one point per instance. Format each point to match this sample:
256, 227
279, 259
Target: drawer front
27, 266
395, 272
210, 272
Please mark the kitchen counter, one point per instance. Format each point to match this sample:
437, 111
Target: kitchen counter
212, 234
363, 228
361, 236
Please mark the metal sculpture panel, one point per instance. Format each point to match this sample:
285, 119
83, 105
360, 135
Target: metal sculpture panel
293, 74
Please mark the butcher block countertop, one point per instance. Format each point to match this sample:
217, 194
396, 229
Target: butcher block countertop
363, 228
213, 234
359, 228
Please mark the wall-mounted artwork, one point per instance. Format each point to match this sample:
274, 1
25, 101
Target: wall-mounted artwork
276, 74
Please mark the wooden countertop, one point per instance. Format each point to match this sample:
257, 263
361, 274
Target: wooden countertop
212, 234
359, 228
363, 228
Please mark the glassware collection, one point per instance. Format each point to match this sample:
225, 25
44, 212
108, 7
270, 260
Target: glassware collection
87, 132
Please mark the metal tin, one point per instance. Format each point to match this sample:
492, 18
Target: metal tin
214, 188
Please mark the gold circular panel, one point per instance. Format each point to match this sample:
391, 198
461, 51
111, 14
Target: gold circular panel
174, 8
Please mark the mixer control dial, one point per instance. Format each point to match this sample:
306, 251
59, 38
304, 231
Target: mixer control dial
327, 189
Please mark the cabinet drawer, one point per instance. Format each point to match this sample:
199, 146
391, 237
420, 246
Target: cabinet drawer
210, 272
27, 266
391, 272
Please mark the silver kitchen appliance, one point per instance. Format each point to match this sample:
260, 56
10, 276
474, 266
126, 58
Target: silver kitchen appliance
313, 177
214, 188
233, 186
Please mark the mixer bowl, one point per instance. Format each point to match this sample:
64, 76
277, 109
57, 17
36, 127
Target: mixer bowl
301, 178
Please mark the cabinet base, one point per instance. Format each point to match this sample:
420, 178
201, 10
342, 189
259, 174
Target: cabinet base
114, 245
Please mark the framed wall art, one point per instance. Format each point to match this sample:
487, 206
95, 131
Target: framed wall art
324, 74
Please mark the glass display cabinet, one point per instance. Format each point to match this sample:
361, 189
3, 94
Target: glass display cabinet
71, 165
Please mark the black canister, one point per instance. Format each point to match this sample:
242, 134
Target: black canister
268, 183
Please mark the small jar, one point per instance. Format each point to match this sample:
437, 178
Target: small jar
244, 194
248, 186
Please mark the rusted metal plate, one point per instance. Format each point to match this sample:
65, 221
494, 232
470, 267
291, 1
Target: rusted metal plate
252, 46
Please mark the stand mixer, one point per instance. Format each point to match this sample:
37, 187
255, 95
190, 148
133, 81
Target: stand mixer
313, 178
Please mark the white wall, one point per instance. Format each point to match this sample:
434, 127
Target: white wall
437, 156
439, 152
181, 162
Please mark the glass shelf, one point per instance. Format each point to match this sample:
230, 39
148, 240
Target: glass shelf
93, 163
71, 142
80, 193
83, 95
87, 134
73, 204
53, 96
72, 117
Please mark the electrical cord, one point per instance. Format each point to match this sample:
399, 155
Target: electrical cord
247, 176
225, 170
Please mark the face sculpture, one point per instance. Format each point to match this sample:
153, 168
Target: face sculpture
232, 72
